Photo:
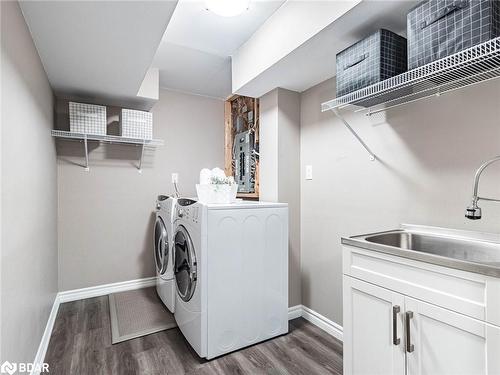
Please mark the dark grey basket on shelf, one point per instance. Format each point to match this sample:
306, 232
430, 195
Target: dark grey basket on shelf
379, 56
439, 28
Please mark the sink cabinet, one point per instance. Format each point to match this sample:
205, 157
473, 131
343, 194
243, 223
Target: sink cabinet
368, 329
405, 317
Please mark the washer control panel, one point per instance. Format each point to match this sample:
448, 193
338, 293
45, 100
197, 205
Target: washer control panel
186, 210
160, 199
185, 202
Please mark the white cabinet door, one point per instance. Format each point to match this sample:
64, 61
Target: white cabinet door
448, 343
371, 345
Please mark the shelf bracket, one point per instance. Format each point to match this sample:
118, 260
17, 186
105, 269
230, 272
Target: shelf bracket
86, 153
142, 155
341, 118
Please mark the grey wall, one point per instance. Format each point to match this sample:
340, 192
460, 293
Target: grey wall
280, 169
428, 153
29, 192
268, 147
106, 215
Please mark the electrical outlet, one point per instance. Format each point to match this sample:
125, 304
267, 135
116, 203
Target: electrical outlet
309, 172
175, 178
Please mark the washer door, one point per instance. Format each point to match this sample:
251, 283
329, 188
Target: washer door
185, 264
161, 246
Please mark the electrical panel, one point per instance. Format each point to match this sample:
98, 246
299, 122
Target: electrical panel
244, 161
242, 144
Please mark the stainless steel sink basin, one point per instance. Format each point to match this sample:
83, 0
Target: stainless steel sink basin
470, 251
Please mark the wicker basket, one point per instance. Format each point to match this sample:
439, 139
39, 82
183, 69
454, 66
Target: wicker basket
136, 124
87, 118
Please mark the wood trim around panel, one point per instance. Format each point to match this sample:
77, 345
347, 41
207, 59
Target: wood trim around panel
228, 143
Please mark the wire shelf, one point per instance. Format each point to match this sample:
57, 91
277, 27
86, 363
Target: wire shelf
477, 64
107, 138
143, 143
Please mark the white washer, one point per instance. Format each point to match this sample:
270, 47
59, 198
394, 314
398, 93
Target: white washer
163, 250
231, 271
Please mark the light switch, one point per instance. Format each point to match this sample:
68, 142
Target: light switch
175, 178
309, 172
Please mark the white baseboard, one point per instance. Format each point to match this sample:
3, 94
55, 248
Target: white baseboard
77, 294
294, 312
44, 342
317, 319
322, 322
102, 290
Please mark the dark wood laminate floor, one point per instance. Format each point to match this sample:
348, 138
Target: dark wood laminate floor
81, 344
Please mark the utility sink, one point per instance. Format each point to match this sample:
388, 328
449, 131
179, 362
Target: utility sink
469, 251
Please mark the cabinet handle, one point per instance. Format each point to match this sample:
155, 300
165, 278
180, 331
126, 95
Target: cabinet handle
395, 311
409, 346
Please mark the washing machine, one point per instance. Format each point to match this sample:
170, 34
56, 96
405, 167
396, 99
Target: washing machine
163, 250
231, 272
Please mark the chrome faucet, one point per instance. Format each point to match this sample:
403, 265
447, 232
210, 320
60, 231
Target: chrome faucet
473, 212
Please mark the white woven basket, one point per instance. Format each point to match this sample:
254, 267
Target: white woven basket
87, 118
209, 193
137, 124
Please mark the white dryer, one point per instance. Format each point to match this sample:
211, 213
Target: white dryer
231, 271
163, 250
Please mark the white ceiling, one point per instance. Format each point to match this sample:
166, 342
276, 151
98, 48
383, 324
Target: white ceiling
102, 49
314, 61
97, 48
194, 54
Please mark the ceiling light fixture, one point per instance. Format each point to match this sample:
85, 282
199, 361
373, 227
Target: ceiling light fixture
227, 8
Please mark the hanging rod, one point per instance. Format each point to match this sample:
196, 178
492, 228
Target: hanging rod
349, 127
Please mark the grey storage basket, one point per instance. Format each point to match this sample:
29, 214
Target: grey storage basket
379, 56
439, 28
